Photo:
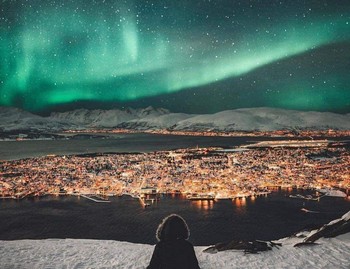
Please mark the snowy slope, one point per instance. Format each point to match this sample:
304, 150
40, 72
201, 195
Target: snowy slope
265, 119
69, 253
107, 118
17, 119
85, 253
159, 122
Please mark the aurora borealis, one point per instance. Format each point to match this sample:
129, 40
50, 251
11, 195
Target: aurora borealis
188, 56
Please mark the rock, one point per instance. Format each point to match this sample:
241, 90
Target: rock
254, 246
332, 229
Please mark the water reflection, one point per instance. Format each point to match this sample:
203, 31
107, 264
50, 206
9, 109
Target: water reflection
203, 204
240, 202
240, 205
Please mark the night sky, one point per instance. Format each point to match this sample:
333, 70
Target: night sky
198, 56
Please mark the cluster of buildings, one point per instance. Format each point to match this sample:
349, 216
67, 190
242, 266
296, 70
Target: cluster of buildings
204, 172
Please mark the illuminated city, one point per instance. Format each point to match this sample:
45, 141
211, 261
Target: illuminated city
211, 172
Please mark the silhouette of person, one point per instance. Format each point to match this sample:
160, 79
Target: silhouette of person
173, 251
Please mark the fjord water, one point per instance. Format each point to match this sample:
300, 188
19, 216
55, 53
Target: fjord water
124, 219
10, 150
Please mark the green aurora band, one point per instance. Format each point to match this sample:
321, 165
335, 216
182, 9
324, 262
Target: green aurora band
54, 58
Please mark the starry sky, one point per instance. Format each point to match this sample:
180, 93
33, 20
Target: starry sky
188, 56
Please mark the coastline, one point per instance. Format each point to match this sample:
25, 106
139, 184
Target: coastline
25, 135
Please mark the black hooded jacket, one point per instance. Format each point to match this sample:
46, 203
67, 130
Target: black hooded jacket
173, 251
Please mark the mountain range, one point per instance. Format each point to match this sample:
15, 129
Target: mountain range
244, 119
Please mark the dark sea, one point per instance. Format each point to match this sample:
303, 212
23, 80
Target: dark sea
10, 150
125, 219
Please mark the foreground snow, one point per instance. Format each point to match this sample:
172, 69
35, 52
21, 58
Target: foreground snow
83, 253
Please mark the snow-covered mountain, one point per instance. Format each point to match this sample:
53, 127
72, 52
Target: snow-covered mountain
14, 119
107, 118
247, 119
265, 119
166, 121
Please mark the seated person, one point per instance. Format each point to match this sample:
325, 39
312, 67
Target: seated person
173, 251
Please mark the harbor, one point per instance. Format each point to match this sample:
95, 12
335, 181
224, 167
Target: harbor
95, 198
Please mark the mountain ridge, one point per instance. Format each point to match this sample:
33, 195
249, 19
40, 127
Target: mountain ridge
243, 119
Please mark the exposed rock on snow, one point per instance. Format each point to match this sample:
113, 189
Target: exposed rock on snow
254, 246
332, 229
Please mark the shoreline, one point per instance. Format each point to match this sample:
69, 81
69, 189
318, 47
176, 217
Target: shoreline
99, 132
271, 189
238, 133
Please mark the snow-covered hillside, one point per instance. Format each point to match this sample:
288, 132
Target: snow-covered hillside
166, 121
83, 253
247, 119
107, 118
265, 119
79, 253
14, 119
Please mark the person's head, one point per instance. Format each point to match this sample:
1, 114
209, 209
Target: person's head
172, 227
